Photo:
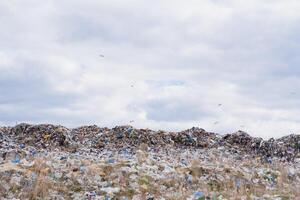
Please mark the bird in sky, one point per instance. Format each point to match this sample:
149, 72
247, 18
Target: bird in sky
101, 55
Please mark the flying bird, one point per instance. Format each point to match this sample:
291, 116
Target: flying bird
219, 104
101, 55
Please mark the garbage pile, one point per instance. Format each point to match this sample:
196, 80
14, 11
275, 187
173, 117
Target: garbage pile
53, 162
42, 136
50, 136
286, 148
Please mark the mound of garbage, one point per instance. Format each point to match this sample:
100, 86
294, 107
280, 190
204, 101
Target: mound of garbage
89, 162
49, 136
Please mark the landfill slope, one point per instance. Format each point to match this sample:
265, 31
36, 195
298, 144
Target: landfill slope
54, 162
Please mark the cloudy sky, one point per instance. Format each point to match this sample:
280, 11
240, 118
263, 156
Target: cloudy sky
167, 64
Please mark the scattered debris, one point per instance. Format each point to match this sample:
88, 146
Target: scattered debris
53, 162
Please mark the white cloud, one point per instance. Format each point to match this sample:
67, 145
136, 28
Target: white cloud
182, 59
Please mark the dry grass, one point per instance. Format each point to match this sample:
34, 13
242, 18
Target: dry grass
213, 177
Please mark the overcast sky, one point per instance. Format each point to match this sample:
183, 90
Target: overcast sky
167, 64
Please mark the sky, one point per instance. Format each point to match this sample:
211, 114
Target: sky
220, 65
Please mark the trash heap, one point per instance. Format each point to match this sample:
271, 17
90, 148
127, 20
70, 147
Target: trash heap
54, 162
43, 136
286, 148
